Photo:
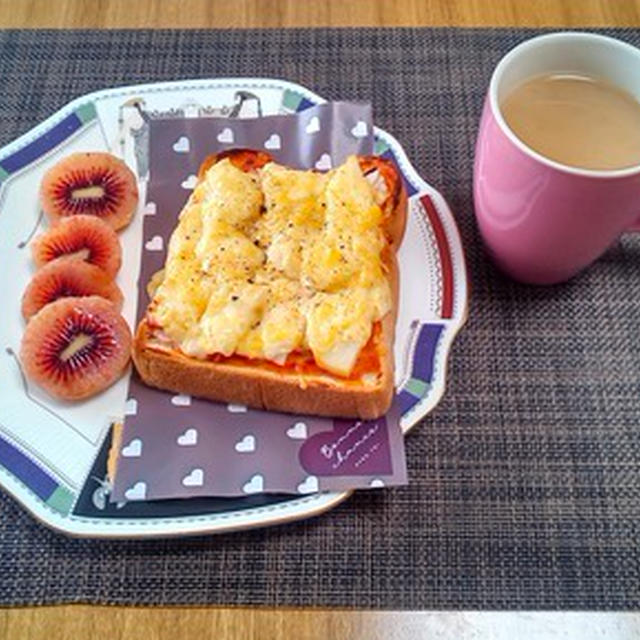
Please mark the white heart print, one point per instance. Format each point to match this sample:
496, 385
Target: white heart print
310, 485
324, 162
255, 484
131, 407
133, 449
150, 209
137, 492
194, 479
313, 126
226, 136
154, 244
246, 445
298, 431
182, 145
236, 408
190, 182
181, 400
273, 142
360, 130
189, 438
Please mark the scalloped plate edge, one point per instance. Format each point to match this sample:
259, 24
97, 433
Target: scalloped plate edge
294, 509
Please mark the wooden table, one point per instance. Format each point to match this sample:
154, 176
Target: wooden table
234, 624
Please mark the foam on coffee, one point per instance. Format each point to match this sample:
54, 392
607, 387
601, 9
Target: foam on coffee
576, 120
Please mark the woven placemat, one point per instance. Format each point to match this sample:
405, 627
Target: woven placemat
524, 482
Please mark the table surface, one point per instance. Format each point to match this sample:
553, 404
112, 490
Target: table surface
73, 621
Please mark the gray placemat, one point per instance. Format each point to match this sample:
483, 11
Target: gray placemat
524, 482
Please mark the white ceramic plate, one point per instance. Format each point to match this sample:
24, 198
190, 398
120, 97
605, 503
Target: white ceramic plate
53, 456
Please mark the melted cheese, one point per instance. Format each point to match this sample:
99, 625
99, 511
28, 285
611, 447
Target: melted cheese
264, 264
229, 315
339, 324
229, 194
226, 253
347, 252
294, 200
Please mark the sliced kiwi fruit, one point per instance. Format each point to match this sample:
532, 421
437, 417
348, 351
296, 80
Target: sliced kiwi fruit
94, 183
75, 347
82, 236
68, 277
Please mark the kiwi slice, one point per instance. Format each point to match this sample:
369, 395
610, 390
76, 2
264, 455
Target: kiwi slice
68, 277
76, 347
82, 236
95, 183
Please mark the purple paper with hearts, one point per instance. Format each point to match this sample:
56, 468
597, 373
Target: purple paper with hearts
175, 446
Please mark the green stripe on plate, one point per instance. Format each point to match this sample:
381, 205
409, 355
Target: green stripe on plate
291, 99
380, 147
3, 174
86, 112
61, 500
417, 388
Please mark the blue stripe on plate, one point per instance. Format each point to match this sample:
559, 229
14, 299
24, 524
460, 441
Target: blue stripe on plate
406, 401
305, 104
425, 351
26, 470
422, 365
44, 143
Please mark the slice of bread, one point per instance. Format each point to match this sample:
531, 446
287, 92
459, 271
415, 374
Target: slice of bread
306, 388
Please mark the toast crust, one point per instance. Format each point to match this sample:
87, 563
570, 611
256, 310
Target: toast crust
287, 390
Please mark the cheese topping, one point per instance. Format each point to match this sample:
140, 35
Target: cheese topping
267, 263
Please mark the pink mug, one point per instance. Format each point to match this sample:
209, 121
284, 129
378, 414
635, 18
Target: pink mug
542, 221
